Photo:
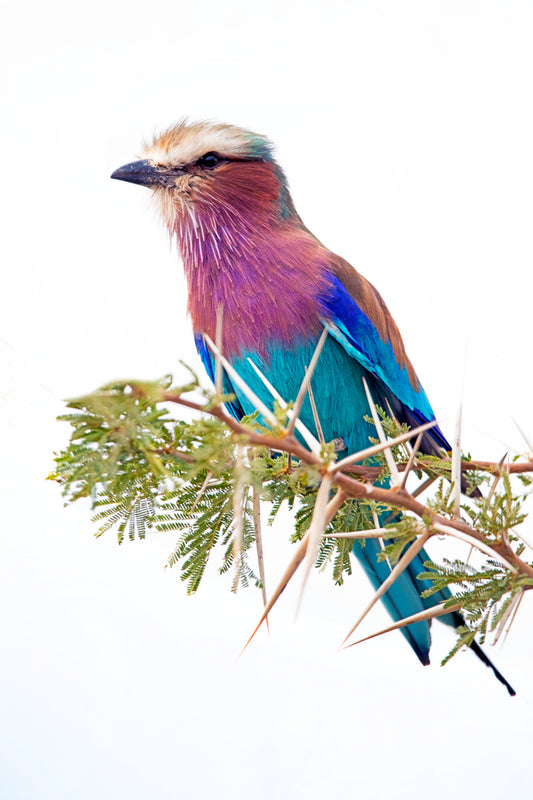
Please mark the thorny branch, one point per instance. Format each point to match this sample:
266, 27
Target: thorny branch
364, 489
124, 454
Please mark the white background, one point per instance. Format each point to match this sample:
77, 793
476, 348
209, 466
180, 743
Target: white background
406, 132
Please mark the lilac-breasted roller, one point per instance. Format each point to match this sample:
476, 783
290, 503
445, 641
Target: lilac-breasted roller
245, 249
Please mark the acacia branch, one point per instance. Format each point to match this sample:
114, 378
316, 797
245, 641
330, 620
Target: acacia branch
493, 467
496, 468
401, 499
287, 443
397, 497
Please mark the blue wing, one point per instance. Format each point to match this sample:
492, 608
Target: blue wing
359, 320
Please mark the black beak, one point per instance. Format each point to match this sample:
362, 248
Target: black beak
145, 174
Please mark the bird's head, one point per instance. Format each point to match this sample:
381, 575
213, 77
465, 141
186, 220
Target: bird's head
213, 174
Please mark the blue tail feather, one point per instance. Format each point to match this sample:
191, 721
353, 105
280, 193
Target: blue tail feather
401, 600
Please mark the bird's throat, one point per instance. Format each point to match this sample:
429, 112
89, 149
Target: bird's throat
265, 279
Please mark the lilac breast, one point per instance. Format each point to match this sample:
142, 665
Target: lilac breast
267, 279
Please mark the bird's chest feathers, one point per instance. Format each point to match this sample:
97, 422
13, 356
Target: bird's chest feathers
268, 282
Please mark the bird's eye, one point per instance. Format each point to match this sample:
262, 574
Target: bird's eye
209, 160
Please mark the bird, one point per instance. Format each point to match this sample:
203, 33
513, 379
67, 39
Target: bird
226, 201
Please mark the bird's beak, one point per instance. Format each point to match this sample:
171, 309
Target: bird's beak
145, 174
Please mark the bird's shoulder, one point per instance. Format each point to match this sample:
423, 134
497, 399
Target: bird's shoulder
371, 304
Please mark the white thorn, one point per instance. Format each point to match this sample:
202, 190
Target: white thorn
395, 475
430, 613
238, 511
306, 434
410, 463
315, 531
316, 418
307, 380
510, 610
243, 386
372, 533
527, 441
218, 364
259, 542
378, 448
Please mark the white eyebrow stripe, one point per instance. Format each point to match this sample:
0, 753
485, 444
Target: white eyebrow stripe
185, 143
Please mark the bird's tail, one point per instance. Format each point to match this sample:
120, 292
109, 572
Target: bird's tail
403, 599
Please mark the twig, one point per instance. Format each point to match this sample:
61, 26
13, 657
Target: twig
466, 537
201, 491
492, 466
406, 501
423, 486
